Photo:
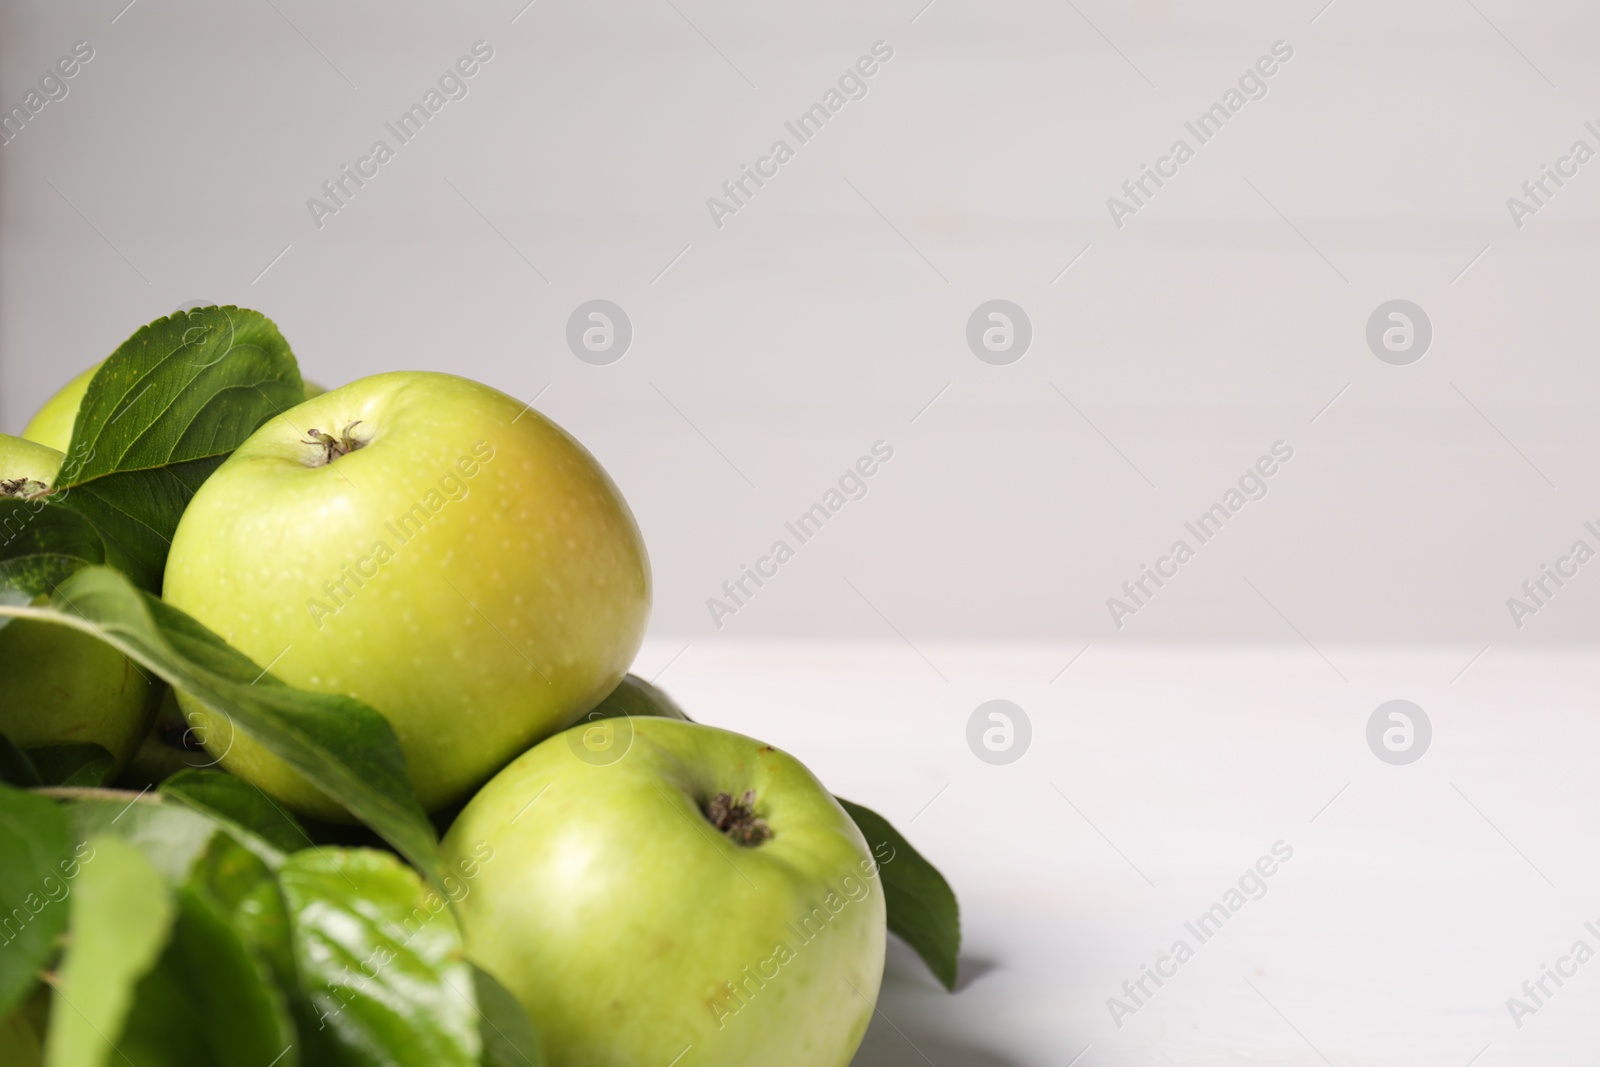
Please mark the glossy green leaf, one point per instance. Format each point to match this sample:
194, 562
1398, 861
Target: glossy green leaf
380, 960
35, 853
248, 812
42, 543
240, 885
121, 916
922, 907
342, 745
209, 1002
162, 412
169, 836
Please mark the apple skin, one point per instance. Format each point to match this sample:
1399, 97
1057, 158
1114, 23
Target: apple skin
62, 686
469, 571
53, 423
28, 460
603, 898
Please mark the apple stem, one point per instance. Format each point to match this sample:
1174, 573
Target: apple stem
333, 446
738, 818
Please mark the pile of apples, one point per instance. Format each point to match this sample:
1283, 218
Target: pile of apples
651, 890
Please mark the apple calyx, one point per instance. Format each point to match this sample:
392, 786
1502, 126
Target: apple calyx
738, 819
334, 446
22, 487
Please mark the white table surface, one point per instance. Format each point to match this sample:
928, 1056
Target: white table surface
1415, 904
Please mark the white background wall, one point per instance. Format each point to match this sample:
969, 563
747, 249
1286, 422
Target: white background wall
1221, 318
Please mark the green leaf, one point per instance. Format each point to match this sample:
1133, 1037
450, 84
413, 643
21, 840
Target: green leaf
77, 764
19, 1042
162, 412
509, 1039
635, 696
121, 915
340, 744
243, 888
42, 543
250, 814
15, 766
922, 907
208, 1002
170, 837
380, 960
35, 856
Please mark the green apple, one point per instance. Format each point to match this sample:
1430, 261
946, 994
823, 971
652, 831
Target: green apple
682, 896
52, 424
27, 467
429, 546
61, 686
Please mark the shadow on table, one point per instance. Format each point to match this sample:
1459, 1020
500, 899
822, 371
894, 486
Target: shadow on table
973, 968
886, 1048
903, 1031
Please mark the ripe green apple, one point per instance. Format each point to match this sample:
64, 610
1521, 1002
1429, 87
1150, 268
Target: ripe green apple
52, 424
684, 895
27, 467
429, 546
61, 686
